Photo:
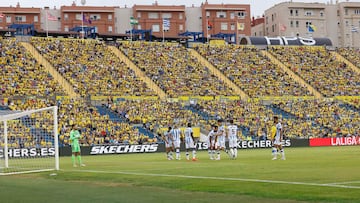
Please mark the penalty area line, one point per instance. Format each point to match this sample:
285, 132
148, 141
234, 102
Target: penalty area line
217, 178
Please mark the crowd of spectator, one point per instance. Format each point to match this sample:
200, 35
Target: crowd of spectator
93, 70
174, 69
255, 119
320, 69
351, 54
95, 128
251, 71
155, 114
90, 67
21, 74
334, 119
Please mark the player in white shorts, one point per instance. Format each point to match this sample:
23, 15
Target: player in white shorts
176, 134
277, 139
232, 131
169, 145
190, 142
220, 144
212, 139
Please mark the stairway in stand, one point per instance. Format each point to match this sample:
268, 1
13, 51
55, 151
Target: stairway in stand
51, 70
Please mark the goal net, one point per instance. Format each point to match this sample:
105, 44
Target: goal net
29, 141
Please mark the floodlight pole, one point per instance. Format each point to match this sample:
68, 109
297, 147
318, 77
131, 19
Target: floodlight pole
83, 2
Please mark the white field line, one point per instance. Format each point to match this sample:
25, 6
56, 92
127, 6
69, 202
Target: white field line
342, 183
218, 178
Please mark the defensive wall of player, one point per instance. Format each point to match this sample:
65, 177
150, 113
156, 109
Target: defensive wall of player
153, 148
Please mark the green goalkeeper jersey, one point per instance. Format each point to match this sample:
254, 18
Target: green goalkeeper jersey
74, 137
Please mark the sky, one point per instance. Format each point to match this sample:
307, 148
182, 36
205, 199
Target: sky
257, 6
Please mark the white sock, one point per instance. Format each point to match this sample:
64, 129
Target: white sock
177, 153
282, 153
232, 152
274, 152
194, 154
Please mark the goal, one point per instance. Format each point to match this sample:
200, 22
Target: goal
29, 141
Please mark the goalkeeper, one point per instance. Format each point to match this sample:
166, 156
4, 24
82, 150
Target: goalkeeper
75, 145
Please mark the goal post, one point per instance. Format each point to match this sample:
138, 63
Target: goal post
29, 141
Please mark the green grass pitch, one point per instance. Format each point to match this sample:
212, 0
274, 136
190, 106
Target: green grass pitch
325, 174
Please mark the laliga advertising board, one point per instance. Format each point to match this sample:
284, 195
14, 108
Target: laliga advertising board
335, 141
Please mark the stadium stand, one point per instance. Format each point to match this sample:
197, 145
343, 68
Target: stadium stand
90, 67
320, 69
330, 116
251, 71
174, 69
351, 54
21, 74
95, 128
95, 71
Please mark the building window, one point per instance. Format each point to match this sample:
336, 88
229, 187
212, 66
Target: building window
224, 26
357, 11
36, 19
267, 31
181, 27
166, 15
308, 13
207, 14
273, 28
8, 19
153, 15
139, 27
267, 20
291, 23
78, 16
221, 14
181, 16
1, 20
232, 15
110, 29
297, 23
232, 26
95, 16
291, 12
241, 14
66, 28
347, 23
20, 18
139, 14
307, 24
346, 11
272, 17
156, 28
66, 16
296, 13
110, 17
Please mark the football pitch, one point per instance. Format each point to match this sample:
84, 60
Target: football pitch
324, 174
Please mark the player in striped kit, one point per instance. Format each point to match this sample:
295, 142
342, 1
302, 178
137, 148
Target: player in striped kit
211, 142
232, 131
277, 135
220, 144
176, 134
169, 143
190, 142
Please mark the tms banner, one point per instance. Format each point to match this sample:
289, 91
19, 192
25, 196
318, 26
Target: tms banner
249, 144
335, 141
